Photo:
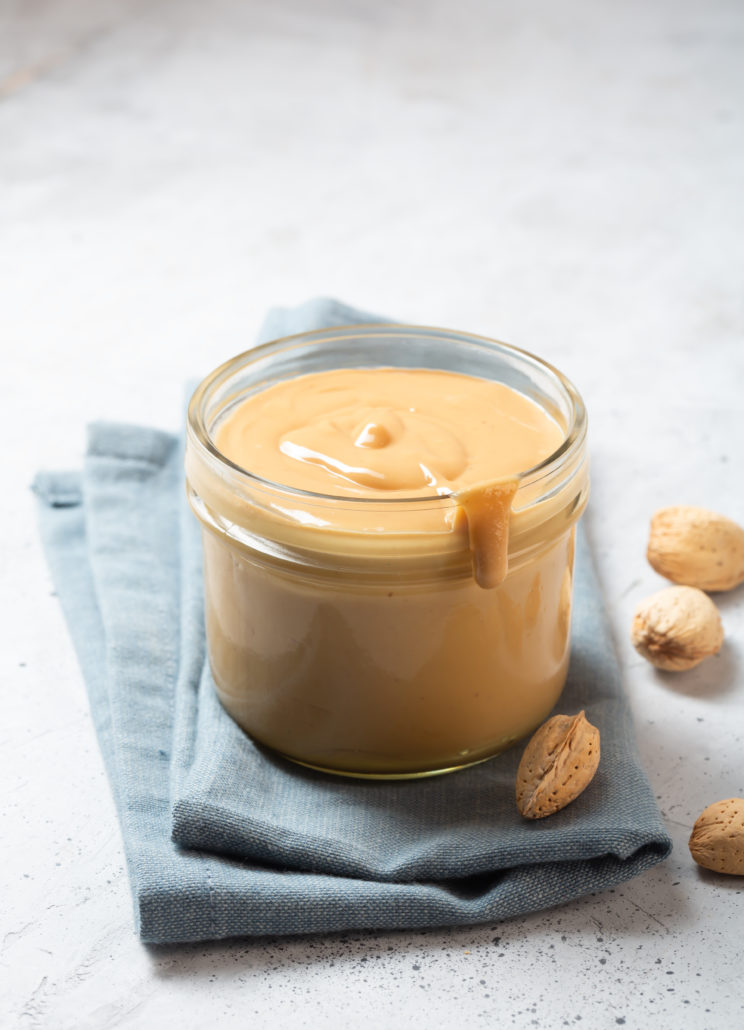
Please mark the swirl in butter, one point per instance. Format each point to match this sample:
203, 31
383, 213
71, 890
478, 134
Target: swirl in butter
392, 432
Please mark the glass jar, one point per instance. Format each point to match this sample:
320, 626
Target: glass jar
349, 634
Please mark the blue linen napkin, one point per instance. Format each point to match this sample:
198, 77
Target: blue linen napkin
224, 839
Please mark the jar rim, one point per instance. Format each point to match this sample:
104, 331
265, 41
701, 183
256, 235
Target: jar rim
573, 440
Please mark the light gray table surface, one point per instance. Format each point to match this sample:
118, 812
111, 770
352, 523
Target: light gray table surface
566, 177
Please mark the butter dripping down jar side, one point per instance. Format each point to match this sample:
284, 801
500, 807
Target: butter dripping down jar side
352, 635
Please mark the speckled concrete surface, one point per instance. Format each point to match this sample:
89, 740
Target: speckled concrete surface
566, 177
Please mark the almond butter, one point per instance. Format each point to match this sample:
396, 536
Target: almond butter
717, 839
697, 548
676, 628
558, 763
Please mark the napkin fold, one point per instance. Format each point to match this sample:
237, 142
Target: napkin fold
222, 838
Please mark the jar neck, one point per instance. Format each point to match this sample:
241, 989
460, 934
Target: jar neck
418, 539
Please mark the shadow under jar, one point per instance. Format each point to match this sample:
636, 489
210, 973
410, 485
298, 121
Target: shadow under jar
350, 633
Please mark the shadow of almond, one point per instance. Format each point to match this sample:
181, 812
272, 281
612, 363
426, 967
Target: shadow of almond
717, 676
723, 881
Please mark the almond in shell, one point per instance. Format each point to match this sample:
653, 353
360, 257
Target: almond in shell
697, 548
558, 763
717, 839
677, 628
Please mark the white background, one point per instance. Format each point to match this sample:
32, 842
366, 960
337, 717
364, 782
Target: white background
564, 176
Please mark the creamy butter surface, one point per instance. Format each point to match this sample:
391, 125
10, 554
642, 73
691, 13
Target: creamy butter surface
387, 432
392, 433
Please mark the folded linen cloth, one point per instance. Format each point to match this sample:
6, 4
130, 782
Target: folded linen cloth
224, 839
